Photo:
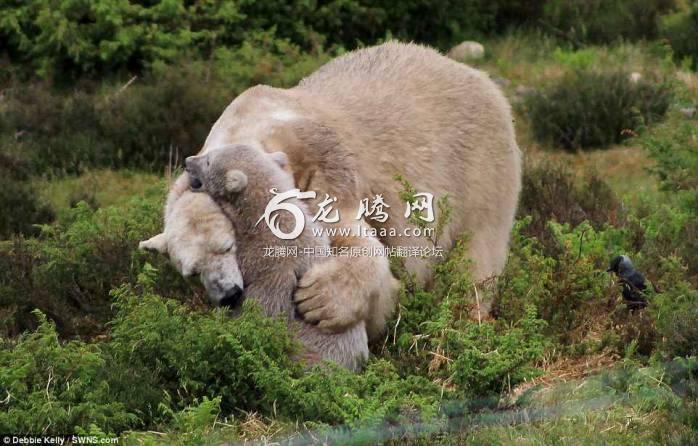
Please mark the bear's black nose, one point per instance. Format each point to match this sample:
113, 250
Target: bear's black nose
194, 183
233, 297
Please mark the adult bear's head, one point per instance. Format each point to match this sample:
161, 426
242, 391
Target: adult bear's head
200, 240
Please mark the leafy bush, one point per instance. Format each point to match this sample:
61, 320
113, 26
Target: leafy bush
139, 127
582, 59
569, 287
54, 387
161, 359
69, 271
553, 192
675, 148
167, 113
663, 231
604, 21
673, 227
562, 274
676, 311
435, 331
22, 209
69, 39
668, 232
595, 109
680, 29
191, 354
52, 130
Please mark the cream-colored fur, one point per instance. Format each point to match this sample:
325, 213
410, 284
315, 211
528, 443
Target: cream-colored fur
348, 128
199, 239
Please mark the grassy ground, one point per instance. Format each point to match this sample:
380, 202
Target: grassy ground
99, 187
523, 63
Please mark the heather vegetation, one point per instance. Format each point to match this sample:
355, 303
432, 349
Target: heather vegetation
100, 100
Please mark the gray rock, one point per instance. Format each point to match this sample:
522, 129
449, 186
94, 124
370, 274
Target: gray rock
521, 93
688, 112
468, 50
502, 82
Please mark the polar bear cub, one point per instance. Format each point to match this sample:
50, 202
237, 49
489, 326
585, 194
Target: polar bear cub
242, 179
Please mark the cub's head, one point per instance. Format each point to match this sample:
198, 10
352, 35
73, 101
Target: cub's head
227, 171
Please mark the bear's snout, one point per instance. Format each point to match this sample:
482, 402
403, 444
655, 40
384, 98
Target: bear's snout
192, 165
233, 297
194, 183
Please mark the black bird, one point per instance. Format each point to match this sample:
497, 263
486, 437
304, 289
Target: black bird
632, 280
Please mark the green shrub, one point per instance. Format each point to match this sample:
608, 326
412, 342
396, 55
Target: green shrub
55, 387
563, 275
569, 287
675, 309
673, 227
168, 115
680, 29
604, 21
434, 331
68, 272
191, 354
66, 133
264, 59
22, 210
69, 39
553, 192
489, 358
582, 59
54, 131
160, 359
664, 235
675, 148
142, 124
595, 109
661, 231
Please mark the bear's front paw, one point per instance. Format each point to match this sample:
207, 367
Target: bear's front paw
331, 297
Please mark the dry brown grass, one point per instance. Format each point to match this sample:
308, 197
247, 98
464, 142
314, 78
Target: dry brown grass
565, 368
690, 79
624, 168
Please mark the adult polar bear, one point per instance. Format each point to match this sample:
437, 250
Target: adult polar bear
347, 129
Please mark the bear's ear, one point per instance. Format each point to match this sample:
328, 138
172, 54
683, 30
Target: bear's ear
235, 181
195, 163
157, 243
280, 158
